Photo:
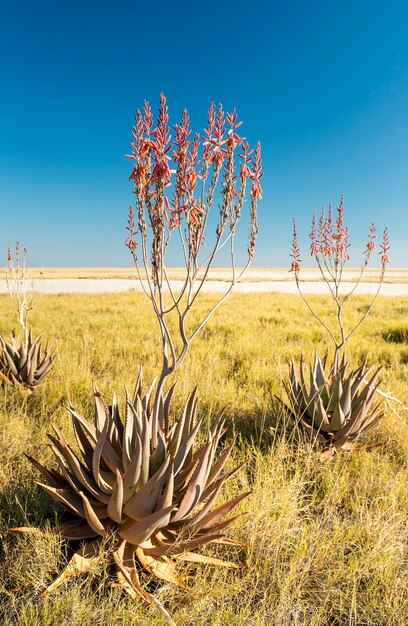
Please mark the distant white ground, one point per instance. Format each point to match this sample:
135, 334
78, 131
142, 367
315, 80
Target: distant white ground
116, 285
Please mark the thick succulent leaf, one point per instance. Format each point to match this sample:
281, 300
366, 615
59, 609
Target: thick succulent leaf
213, 517
187, 522
76, 531
361, 421
53, 478
219, 465
92, 517
89, 429
144, 501
321, 380
338, 418
74, 464
221, 480
10, 364
178, 547
22, 357
100, 411
317, 413
369, 389
315, 433
146, 399
158, 456
145, 438
166, 499
127, 574
195, 487
161, 568
185, 447
336, 392
132, 474
137, 532
359, 375
114, 409
352, 425
116, 500
67, 497
84, 560
164, 419
345, 400
83, 442
104, 486
184, 476
178, 430
44, 367
129, 433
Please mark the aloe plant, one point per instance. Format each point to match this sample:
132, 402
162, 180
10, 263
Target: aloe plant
146, 483
334, 405
24, 363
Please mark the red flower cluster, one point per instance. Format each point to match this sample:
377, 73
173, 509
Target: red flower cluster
295, 254
214, 140
131, 227
256, 174
153, 151
331, 241
370, 246
384, 247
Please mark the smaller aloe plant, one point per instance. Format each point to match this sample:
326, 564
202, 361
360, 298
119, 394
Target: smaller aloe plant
140, 481
23, 362
336, 405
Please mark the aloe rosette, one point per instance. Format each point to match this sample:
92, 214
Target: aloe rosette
335, 406
24, 363
142, 480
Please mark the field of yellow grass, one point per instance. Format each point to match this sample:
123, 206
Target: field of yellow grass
326, 541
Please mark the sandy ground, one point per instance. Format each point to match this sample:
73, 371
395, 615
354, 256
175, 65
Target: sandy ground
116, 285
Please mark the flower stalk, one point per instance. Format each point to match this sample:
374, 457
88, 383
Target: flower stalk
330, 249
177, 181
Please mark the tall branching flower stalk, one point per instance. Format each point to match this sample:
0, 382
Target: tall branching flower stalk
179, 180
23, 362
337, 406
329, 248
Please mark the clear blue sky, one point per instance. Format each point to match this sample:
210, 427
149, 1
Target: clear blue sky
323, 85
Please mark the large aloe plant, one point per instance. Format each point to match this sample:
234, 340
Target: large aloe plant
24, 363
146, 483
334, 405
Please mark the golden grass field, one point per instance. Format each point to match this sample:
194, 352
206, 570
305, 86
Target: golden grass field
327, 541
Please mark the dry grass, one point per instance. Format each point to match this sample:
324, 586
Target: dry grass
327, 542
